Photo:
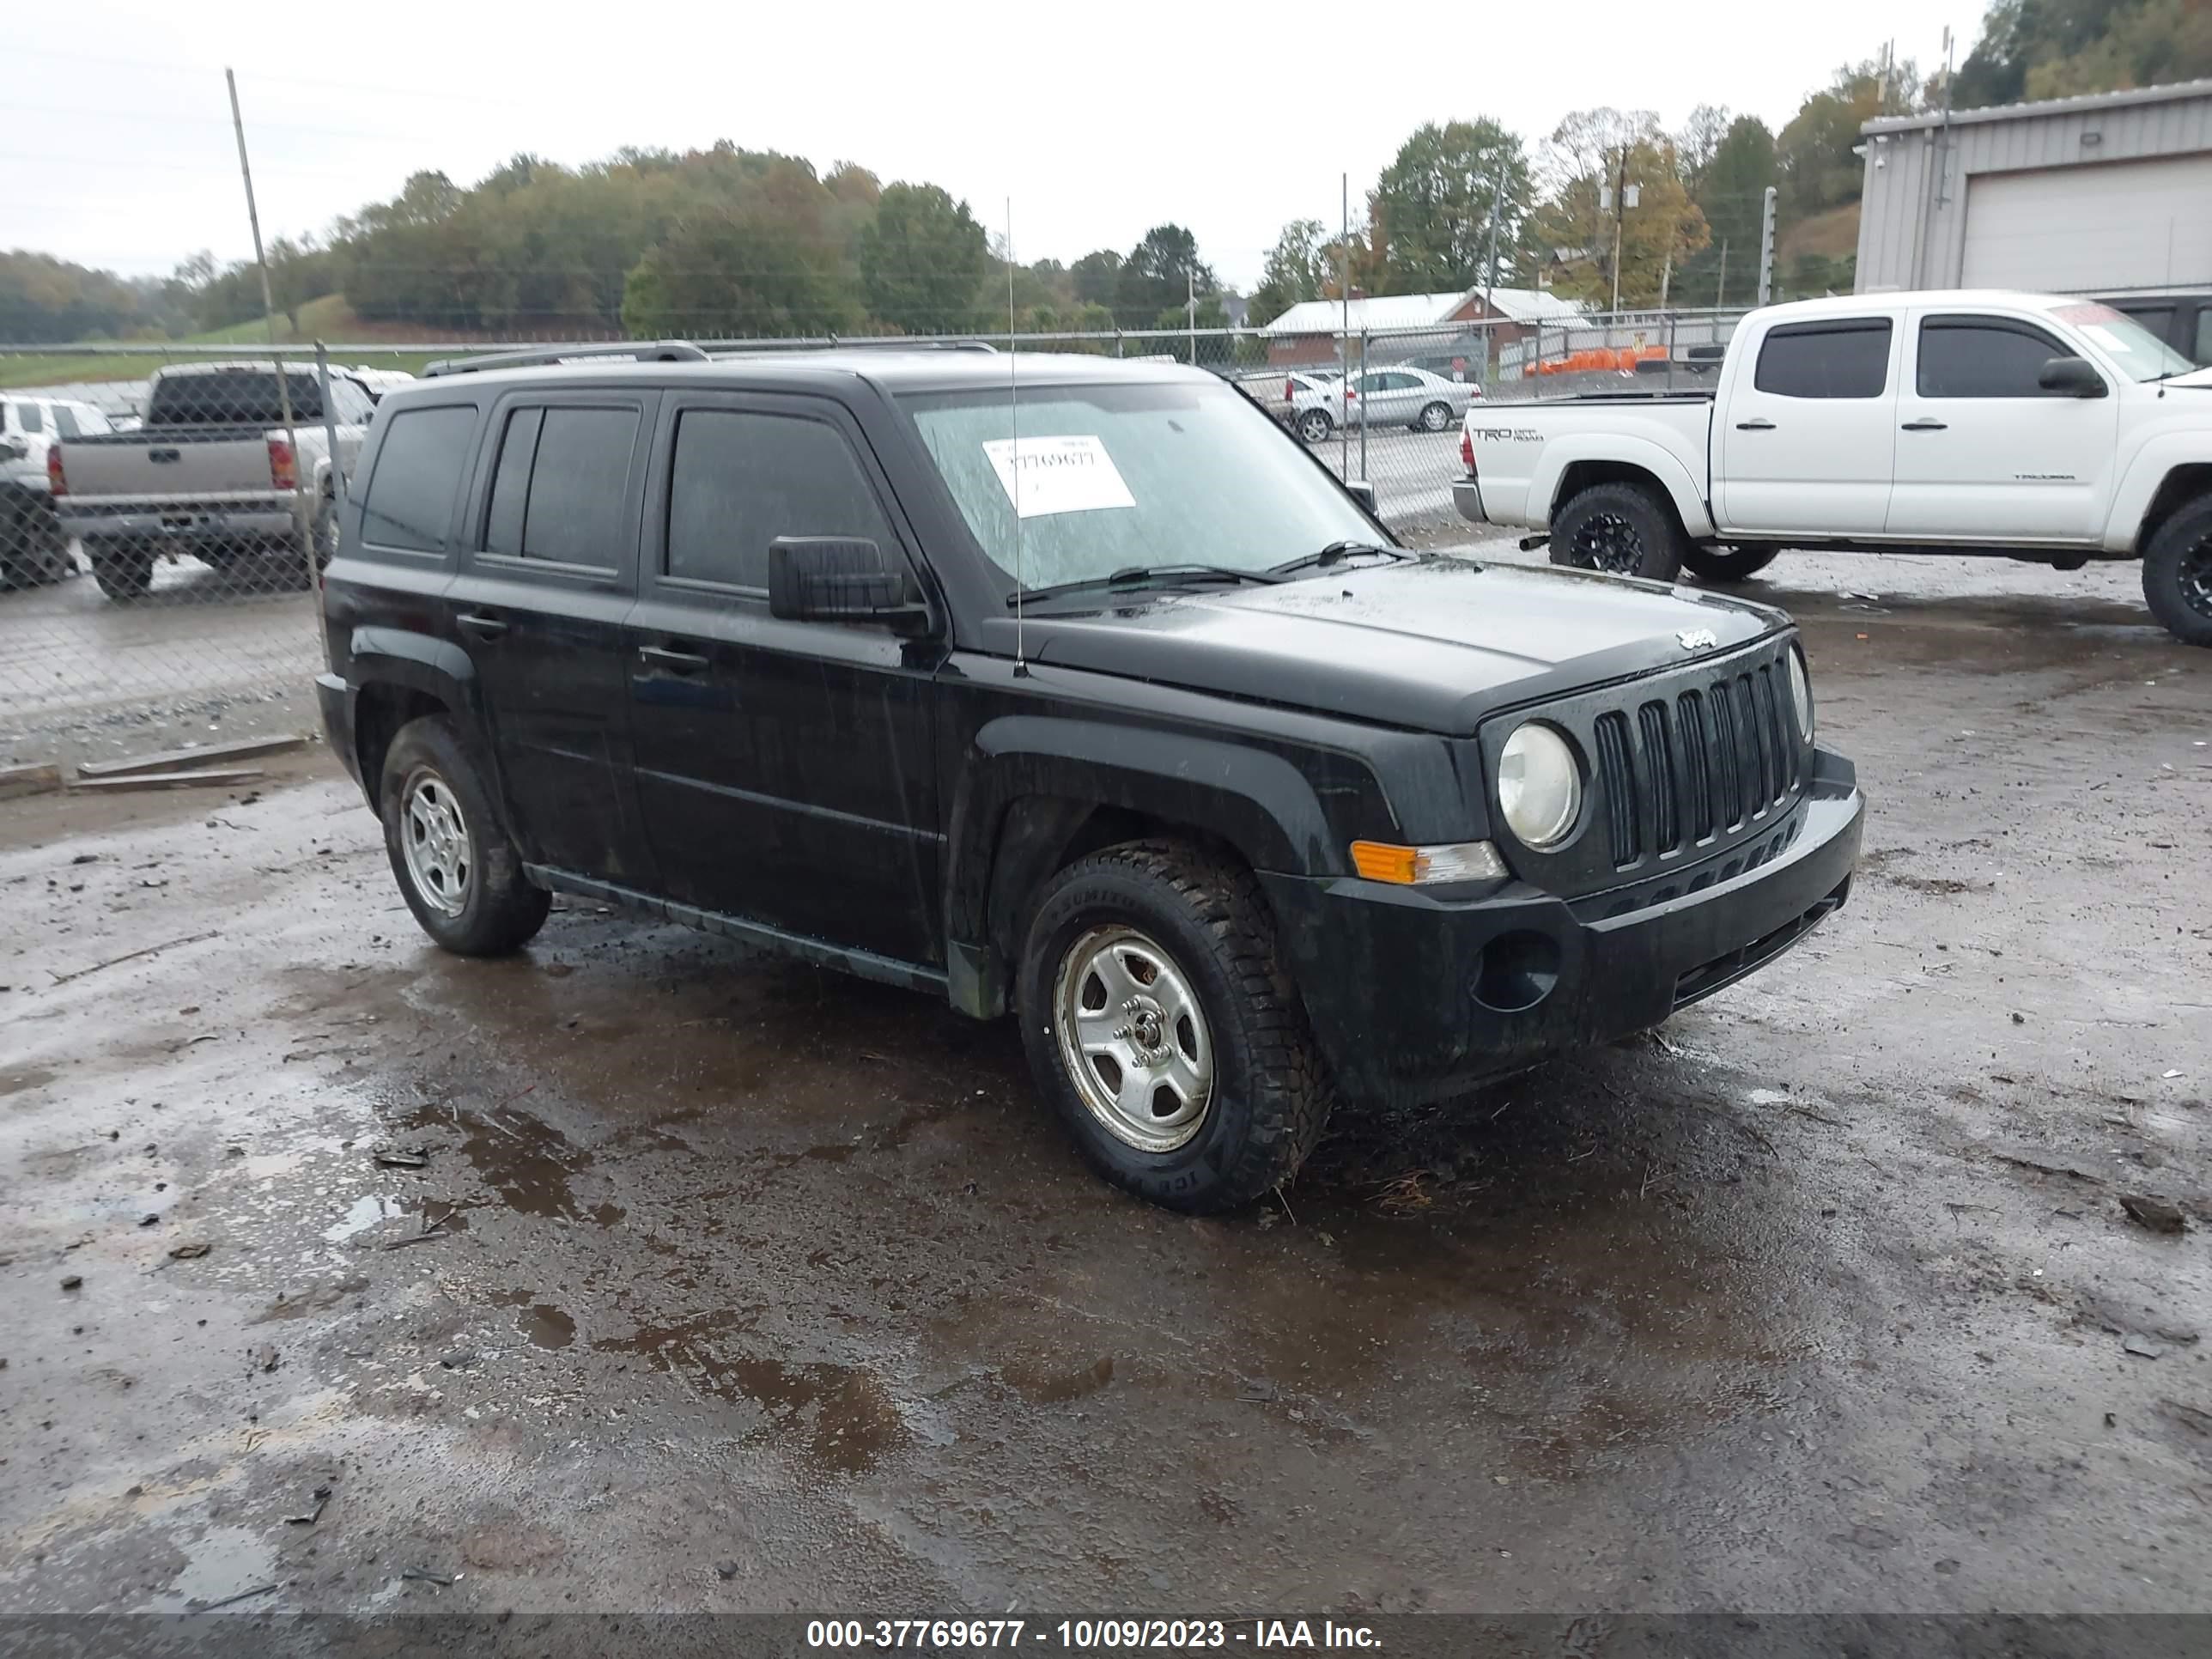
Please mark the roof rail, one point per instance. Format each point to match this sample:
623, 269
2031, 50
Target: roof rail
629, 351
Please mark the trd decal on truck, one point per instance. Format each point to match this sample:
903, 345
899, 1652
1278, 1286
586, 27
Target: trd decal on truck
1506, 434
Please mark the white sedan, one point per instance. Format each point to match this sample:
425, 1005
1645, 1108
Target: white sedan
1397, 396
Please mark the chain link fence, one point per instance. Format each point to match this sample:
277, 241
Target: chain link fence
163, 508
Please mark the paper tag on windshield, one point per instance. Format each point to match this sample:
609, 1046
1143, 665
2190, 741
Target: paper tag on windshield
1057, 475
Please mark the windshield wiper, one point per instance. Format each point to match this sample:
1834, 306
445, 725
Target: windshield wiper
1334, 552
1131, 577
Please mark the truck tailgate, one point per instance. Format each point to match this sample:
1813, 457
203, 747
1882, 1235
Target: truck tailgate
151, 465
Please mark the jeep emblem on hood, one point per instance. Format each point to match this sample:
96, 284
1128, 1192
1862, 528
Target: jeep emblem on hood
1697, 639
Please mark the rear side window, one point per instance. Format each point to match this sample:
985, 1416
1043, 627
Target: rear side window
409, 499
65, 422
561, 484
1982, 357
1825, 360
740, 479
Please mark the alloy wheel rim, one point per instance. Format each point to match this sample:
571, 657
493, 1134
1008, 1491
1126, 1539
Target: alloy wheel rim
1609, 541
1436, 417
435, 839
1133, 1039
2196, 576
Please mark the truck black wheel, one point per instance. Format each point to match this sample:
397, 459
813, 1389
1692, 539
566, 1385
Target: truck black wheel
458, 871
1622, 529
1728, 564
2177, 574
125, 570
1315, 426
1160, 1022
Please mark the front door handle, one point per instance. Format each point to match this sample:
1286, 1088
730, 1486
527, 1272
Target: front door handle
684, 662
1761, 424
1923, 424
484, 627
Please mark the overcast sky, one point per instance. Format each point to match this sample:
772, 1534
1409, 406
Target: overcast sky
1098, 122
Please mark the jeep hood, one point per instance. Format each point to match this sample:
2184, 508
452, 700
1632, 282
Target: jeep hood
1434, 646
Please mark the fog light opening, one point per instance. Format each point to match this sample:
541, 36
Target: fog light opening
1519, 970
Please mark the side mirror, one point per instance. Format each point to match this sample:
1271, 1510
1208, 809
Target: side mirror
2075, 377
1361, 490
839, 579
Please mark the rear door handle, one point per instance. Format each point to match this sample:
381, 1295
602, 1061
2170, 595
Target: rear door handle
1762, 424
1925, 425
485, 627
683, 662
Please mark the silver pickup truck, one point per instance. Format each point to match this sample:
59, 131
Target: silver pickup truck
211, 473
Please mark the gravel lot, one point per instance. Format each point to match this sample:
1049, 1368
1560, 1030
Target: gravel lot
747, 1287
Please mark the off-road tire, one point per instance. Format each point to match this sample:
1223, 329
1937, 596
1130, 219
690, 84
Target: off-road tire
1315, 426
1622, 528
125, 570
1727, 565
501, 908
2177, 574
1271, 1091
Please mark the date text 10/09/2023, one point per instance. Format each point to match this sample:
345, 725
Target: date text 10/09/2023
1087, 1635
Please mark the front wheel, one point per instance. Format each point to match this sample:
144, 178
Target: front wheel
1435, 417
1728, 564
1315, 426
2177, 574
458, 871
1622, 529
1160, 1022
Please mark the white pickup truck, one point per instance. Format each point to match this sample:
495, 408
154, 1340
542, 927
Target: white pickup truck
2033, 427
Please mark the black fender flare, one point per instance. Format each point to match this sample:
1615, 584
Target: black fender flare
437, 668
1031, 783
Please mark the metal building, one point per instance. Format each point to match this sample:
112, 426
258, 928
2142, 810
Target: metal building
2107, 191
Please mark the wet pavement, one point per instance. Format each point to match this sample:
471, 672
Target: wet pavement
635, 1273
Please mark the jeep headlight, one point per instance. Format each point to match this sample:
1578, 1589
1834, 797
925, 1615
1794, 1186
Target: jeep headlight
1540, 787
1801, 693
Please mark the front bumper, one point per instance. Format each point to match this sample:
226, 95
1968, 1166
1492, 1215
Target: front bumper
1414, 998
1466, 496
186, 529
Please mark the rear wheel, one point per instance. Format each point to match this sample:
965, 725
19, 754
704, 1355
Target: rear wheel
1623, 529
2177, 574
1728, 564
1435, 417
1161, 1024
125, 570
458, 871
1315, 426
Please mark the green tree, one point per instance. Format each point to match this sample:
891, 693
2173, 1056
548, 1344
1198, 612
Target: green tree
1429, 215
1296, 270
1588, 154
922, 261
1094, 277
2058, 48
1815, 157
1730, 191
1162, 270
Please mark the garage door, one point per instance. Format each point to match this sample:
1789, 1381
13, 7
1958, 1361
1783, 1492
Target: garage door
2121, 224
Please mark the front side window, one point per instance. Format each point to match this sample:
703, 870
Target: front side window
1984, 357
409, 503
65, 424
739, 479
1118, 475
1846, 359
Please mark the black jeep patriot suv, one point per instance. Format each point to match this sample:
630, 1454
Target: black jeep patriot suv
1066, 687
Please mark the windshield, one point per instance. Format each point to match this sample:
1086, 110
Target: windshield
2133, 350
1114, 477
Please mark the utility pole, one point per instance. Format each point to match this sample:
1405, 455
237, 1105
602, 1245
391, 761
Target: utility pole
1720, 288
1619, 214
300, 474
1190, 310
1766, 248
1344, 334
1490, 268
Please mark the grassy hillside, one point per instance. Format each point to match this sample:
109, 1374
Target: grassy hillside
327, 318
1831, 235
